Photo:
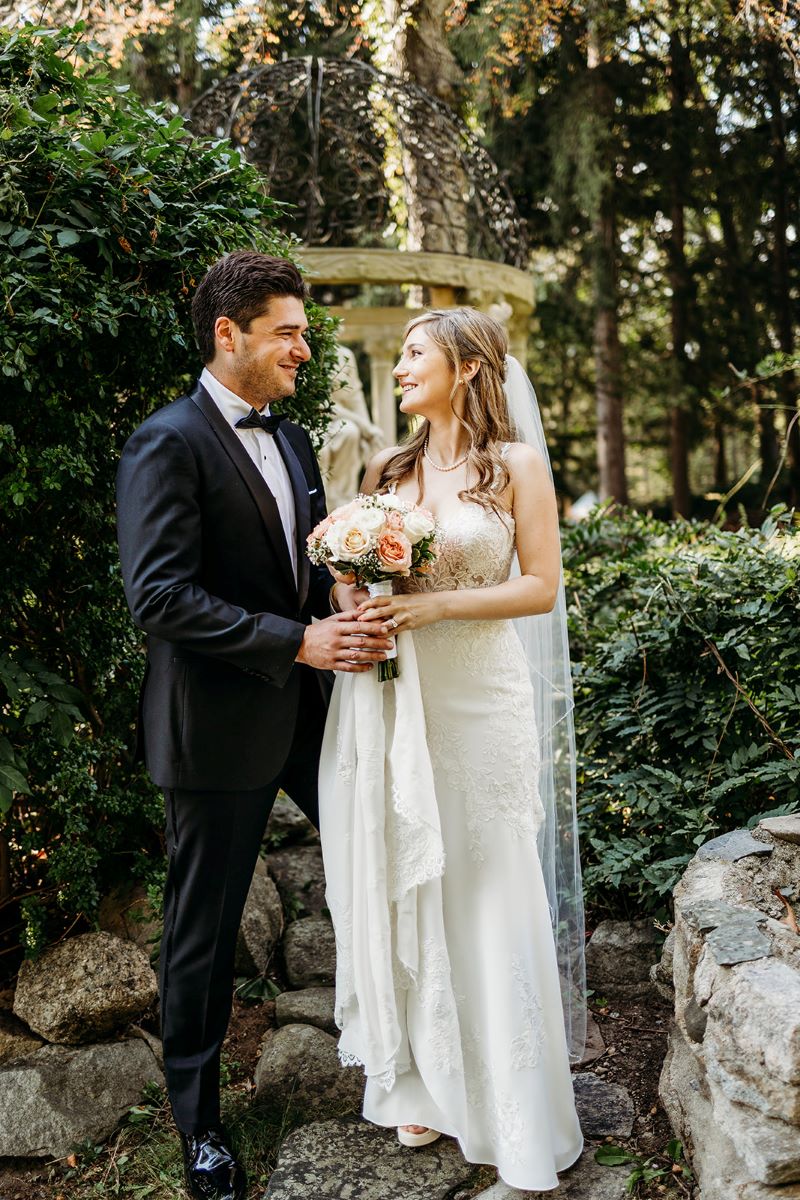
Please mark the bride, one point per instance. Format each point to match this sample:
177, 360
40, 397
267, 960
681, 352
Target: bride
447, 796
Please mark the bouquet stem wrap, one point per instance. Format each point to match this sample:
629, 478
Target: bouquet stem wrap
388, 669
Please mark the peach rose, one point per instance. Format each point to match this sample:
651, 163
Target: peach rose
394, 551
394, 520
320, 530
347, 540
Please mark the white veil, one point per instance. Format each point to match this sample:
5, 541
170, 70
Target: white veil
544, 638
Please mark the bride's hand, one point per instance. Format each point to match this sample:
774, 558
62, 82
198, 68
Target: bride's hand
399, 613
347, 598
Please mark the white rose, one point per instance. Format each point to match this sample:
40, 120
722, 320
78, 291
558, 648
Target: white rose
417, 525
372, 520
389, 500
348, 540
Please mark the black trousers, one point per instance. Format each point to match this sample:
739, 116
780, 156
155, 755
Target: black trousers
213, 839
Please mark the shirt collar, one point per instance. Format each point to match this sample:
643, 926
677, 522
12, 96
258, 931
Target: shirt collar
232, 407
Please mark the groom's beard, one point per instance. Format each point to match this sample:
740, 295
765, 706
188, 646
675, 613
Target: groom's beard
262, 383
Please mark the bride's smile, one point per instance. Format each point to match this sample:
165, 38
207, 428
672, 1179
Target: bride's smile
426, 379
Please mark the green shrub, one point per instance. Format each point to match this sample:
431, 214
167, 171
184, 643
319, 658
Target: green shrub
109, 213
686, 649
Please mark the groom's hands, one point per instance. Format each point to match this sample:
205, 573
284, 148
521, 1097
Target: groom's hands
340, 643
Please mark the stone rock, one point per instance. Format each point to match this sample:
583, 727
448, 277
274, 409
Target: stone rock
595, 1046
688, 1104
738, 939
300, 1066
586, 1180
619, 956
6, 999
739, 843
757, 1191
287, 824
769, 1149
309, 949
85, 988
661, 971
605, 1109
695, 1020
331, 1160
785, 829
16, 1041
350, 1158
300, 877
311, 1006
708, 914
733, 1094
752, 1048
126, 912
61, 1096
261, 927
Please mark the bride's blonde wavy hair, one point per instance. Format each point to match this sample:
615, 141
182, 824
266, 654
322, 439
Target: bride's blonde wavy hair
465, 334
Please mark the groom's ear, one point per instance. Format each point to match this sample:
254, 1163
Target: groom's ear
224, 329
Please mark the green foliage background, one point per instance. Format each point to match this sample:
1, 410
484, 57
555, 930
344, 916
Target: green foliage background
685, 642
109, 214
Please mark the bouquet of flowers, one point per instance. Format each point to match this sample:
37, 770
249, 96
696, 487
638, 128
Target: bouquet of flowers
375, 539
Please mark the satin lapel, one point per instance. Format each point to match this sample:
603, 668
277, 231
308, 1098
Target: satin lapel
302, 510
256, 485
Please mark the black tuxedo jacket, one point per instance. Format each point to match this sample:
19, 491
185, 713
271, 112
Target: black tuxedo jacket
208, 577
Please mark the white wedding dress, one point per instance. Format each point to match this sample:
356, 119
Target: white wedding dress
447, 988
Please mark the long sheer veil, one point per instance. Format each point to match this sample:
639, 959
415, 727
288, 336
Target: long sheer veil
544, 638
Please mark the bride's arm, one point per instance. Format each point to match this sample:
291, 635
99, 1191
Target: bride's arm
534, 509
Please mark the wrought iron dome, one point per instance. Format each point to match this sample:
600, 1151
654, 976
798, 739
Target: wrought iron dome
366, 158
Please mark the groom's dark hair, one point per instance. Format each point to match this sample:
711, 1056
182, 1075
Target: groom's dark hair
240, 286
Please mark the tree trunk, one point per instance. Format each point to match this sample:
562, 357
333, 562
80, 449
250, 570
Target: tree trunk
420, 49
188, 15
739, 289
787, 383
607, 350
679, 274
433, 176
720, 457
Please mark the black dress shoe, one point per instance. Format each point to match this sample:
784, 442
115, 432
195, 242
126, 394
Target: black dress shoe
211, 1171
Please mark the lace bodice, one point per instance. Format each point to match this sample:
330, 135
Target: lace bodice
476, 550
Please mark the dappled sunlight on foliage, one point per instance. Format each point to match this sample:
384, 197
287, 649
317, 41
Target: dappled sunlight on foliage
686, 648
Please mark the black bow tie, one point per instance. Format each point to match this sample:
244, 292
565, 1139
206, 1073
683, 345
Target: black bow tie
255, 420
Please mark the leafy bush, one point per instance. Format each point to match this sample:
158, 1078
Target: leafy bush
686, 650
109, 213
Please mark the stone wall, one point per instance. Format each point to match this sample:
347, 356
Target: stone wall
731, 1079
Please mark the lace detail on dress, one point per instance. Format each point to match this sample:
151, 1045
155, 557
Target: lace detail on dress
498, 779
415, 854
502, 1113
435, 995
476, 551
527, 1047
345, 767
495, 783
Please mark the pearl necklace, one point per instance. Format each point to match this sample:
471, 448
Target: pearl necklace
436, 466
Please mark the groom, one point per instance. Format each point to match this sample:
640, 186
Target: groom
216, 496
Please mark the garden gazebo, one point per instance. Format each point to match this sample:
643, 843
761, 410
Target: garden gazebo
395, 200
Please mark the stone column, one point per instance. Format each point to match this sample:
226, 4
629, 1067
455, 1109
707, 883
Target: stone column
442, 297
382, 361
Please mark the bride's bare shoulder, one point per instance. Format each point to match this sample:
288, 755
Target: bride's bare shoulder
375, 467
522, 458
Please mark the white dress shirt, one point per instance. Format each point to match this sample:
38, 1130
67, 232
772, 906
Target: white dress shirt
261, 447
